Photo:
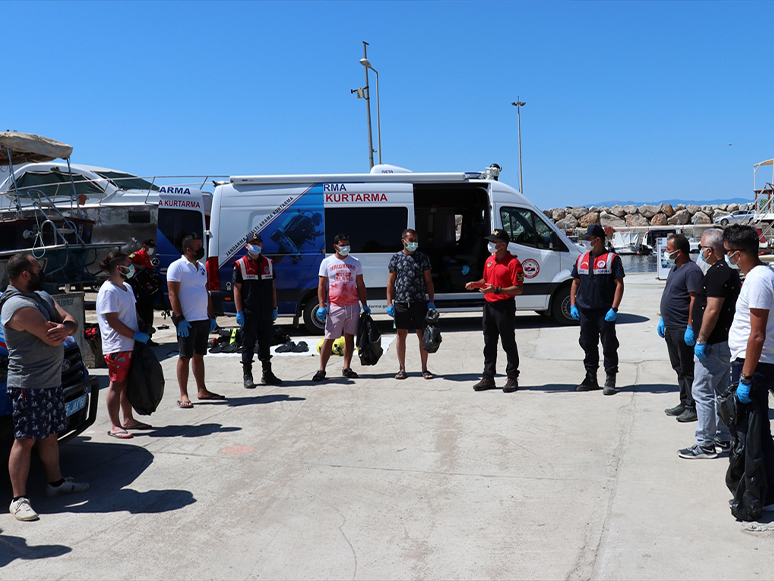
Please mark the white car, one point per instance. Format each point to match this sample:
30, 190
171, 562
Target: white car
735, 217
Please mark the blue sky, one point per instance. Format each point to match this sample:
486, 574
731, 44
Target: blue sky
625, 100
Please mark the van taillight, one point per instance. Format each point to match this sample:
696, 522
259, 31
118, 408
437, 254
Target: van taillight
213, 278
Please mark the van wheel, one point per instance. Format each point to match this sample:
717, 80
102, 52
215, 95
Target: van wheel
561, 307
312, 323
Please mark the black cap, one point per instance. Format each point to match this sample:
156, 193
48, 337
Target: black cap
498, 234
150, 243
254, 237
595, 230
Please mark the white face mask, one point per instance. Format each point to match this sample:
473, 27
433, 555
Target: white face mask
343, 250
587, 244
151, 251
254, 249
492, 248
670, 258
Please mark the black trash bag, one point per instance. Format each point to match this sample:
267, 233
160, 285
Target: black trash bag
746, 474
369, 340
280, 336
431, 338
146, 380
145, 284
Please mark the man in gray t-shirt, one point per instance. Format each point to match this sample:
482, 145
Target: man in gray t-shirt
683, 282
35, 328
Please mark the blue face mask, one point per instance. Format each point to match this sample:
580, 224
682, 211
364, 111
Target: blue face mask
412, 246
128, 274
701, 255
254, 249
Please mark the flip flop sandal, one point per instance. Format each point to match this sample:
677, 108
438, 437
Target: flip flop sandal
186, 405
319, 376
120, 435
427, 375
139, 426
401, 374
302, 347
349, 373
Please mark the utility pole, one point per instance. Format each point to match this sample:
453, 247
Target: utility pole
519, 104
368, 109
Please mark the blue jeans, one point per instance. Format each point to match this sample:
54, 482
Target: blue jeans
710, 379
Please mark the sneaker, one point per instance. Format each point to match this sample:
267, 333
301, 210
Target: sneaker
67, 487
349, 373
675, 411
689, 415
609, 388
21, 510
511, 385
697, 452
485, 383
722, 445
589, 382
319, 376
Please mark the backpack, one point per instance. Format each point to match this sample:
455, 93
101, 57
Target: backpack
369, 340
146, 380
431, 339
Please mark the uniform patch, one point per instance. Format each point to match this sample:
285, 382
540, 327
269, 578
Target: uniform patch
531, 267
520, 277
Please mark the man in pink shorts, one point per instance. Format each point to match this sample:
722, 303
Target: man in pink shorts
341, 279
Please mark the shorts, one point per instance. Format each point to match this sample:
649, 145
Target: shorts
196, 342
37, 413
118, 365
342, 320
410, 315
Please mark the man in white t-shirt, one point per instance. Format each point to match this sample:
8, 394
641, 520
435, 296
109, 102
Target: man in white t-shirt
193, 316
341, 288
751, 338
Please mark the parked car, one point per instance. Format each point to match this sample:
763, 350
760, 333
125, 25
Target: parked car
81, 393
736, 217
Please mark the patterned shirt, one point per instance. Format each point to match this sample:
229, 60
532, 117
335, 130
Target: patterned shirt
410, 279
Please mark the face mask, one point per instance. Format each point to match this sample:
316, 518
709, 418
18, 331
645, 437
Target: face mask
254, 249
37, 282
492, 248
731, 264
670, 258
701, 255
412, 246
343, 250
587, 244
199, 254
129, 273
151, 251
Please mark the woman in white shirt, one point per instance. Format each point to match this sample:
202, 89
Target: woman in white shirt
117, 316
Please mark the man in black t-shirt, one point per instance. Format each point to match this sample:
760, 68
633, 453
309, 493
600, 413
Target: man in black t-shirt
712, 315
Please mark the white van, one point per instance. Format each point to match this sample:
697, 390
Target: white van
298, 215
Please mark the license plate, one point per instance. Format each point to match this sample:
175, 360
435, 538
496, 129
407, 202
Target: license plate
76, 405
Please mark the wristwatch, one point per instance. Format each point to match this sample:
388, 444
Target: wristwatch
744, 377
701, 342
498, 290
177, 318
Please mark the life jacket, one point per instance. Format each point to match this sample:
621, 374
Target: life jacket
603, 264
264, 269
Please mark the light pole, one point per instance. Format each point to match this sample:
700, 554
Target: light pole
519, 104
367, 65
367, 95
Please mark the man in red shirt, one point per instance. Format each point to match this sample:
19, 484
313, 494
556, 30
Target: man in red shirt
503, 280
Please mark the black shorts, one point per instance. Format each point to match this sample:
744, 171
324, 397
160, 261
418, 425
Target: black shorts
196, 342
410, 315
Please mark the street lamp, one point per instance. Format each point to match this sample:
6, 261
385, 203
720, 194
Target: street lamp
365, 93
367, 65
519, 104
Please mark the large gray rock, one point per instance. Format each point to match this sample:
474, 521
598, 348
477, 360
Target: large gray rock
679, 207
579, 211
593, 209
569, 222
548, 213
618, 211
659, 219
723, 207
558, 214
649, 210
668, 210
692, 208
700, 218
637, 220
681, 217
732, 207
606, 219
630, 209
589, 219
707, 209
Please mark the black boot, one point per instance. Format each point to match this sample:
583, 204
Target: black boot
247, 375
268, 378
609, 388
589, 382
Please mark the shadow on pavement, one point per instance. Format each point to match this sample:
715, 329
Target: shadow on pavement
16, 548
264, 399
185, 431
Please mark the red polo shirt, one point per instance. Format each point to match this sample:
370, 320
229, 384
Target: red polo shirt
503, 273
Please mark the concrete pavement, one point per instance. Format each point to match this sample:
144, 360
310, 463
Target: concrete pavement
375, 478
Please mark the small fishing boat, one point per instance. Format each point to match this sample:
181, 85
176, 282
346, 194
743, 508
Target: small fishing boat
626, 242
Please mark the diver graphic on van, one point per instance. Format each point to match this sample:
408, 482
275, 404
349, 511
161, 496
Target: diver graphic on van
298, 229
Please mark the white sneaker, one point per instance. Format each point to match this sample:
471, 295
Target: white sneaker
67, 487
22, 510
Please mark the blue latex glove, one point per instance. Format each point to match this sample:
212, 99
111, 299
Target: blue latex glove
240, 318
391, 311
183, 328
322, 313
575, 313
661, 329
366, 309
610, 316
274, 315
430, 306
689, 337
213, 325
743, 392
141, 337
699, 351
